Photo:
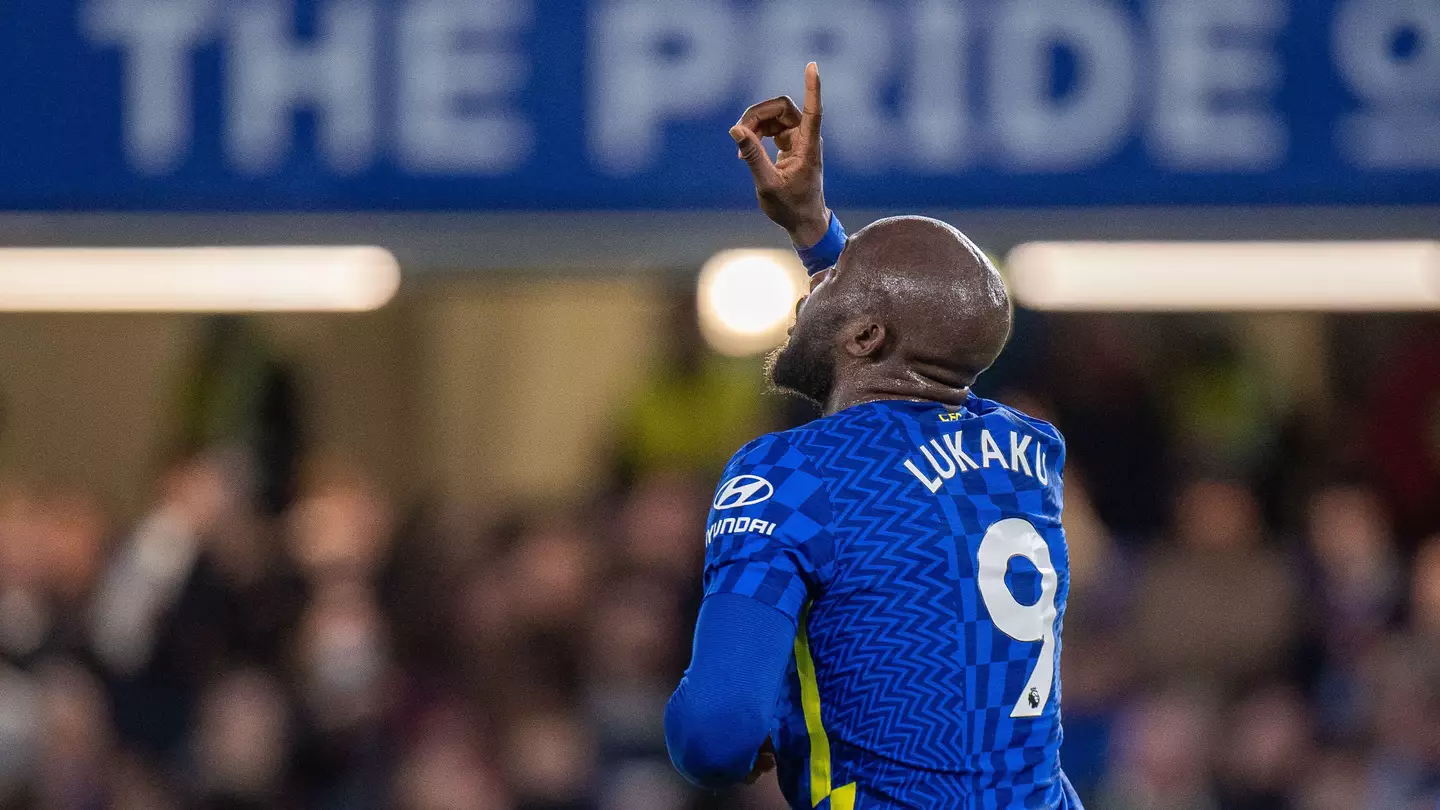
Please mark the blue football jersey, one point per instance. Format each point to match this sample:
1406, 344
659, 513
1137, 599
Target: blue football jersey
919, 550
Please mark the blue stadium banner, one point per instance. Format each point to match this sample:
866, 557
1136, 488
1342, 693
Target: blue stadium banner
291, 105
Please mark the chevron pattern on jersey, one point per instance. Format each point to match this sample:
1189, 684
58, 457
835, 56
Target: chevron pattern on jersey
916, 683
886, 628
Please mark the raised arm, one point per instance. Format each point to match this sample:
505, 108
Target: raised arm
791, 188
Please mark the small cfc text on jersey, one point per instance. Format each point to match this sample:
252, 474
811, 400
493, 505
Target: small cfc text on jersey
957, 453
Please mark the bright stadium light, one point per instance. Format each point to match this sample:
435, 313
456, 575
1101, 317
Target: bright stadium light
210, 279
1221, 276
747, 299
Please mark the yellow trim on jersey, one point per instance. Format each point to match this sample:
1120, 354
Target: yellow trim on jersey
810, 703
842, 798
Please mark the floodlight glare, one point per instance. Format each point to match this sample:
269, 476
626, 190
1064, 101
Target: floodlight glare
747, 299
209, 279
1226, 276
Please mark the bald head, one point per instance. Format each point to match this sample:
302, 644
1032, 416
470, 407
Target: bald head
913, 308
937, 292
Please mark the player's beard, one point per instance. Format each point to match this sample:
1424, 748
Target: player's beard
805, 365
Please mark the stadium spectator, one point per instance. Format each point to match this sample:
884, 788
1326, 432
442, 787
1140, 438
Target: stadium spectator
693, 409
347, 654
1218, 603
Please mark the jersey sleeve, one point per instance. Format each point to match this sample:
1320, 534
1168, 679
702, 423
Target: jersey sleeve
768, 536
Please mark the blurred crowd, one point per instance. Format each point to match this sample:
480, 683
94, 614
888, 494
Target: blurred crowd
1254, 620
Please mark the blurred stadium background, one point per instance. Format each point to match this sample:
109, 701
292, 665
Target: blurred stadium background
444, 553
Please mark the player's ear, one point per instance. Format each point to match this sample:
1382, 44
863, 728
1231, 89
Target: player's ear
866, 339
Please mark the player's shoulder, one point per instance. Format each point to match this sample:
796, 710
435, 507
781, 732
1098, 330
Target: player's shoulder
802, 439
990, 408
778, 448
803, 447
769, 470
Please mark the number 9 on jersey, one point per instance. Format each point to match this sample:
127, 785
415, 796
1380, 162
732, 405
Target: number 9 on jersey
1016, 537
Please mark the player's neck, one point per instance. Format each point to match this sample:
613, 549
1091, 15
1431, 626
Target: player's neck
849, 393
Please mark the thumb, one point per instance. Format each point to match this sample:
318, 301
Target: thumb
754, 154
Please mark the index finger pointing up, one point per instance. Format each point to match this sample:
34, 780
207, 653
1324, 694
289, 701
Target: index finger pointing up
810, 114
